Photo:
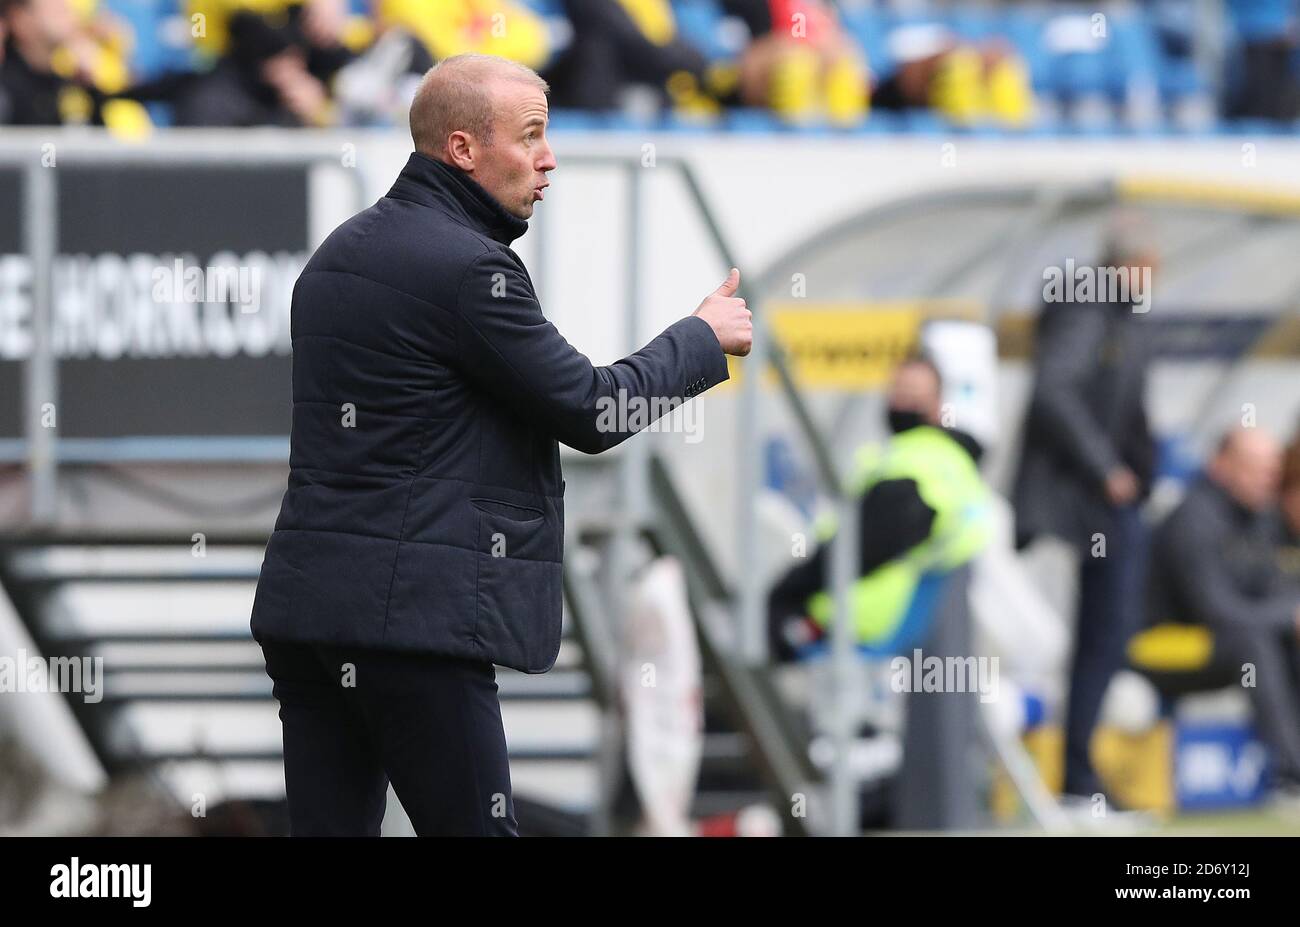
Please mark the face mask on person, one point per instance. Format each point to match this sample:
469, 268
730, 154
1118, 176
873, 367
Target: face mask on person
902, 419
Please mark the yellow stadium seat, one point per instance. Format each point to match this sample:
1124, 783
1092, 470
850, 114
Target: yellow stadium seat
1171, 648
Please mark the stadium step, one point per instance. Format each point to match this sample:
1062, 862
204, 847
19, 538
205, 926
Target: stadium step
185, 689
185, 693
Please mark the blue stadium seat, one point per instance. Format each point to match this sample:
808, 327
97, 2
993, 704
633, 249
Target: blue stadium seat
1024, 30
146, 19
1134, 51
751, 119
700, 23
868, 29
974, 25
545, 8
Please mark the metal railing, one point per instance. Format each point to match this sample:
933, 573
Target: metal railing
39, 163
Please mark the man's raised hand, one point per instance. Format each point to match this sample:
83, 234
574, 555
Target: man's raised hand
728, 317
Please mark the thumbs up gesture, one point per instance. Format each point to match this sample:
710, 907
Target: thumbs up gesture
728, 317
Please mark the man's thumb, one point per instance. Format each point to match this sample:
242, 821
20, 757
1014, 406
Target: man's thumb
730, 285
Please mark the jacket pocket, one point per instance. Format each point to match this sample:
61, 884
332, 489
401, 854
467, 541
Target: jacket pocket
510, 530
507, 511
518, 587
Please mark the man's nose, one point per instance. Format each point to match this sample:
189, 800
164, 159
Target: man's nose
548, 162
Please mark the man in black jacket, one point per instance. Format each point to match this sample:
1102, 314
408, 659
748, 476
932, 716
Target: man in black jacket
1087, 464
421, 536
1213, 562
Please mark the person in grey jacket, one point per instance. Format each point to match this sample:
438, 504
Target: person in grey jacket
1213, 562
1086, 466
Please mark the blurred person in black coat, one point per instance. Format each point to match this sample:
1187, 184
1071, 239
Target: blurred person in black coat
1086, 465
612, 49
276, 71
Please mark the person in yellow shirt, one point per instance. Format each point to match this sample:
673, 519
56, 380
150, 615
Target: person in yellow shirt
964, 82
62, 63
486, 27
800, 63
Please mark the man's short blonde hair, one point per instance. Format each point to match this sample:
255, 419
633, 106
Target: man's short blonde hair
455, 95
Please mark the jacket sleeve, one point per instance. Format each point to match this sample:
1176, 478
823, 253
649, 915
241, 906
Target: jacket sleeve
510, 350
1208, 589
1069, 346
1139, 444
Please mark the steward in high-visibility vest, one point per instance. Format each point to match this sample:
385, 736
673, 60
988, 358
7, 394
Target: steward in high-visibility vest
924, 512
886, 611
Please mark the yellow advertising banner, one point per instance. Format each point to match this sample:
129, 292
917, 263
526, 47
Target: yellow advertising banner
848, 345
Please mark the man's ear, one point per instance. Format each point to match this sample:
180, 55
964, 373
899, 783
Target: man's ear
460, 150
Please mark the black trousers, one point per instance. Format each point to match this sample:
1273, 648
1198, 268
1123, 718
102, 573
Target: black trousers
355, 719
1275, 695
1110, 612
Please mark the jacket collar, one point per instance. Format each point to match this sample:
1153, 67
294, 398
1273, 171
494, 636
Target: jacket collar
430, 182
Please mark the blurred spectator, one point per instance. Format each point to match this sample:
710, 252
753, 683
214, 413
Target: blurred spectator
1213, 564
619, 43
62, 64
800, 62
275, 70
1086, 466
923, 517
1289, 555
894, 516
43, 80
377, 87
276, 62
504, 28
965, 83
293, 64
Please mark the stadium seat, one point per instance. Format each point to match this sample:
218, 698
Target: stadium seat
1178, 659
148, 21
700, 23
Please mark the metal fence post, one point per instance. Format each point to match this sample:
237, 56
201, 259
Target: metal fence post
844, 695
40, 381
752, 634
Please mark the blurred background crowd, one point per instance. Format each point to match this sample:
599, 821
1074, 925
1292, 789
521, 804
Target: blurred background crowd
1143, 66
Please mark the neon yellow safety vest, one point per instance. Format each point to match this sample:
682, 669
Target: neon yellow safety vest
949, 483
